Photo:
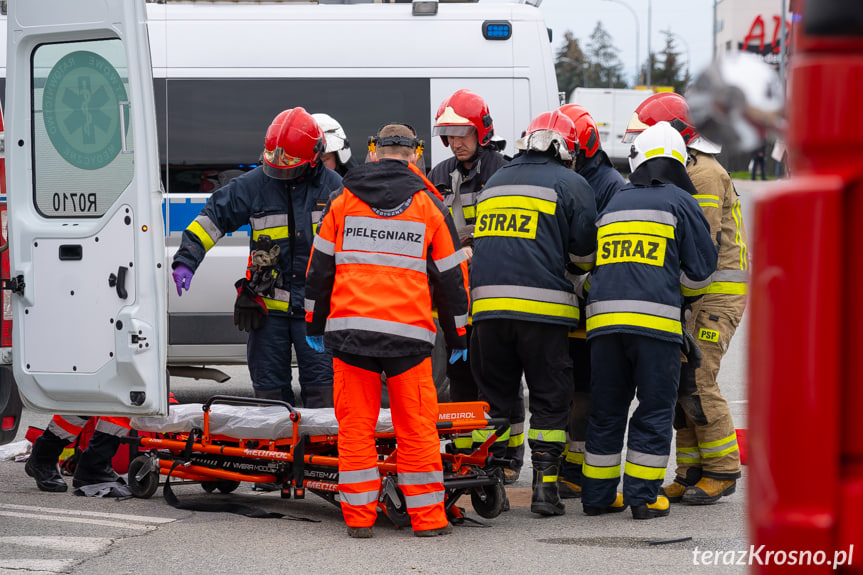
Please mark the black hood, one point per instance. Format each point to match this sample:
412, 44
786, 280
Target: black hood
385, 184
662, 171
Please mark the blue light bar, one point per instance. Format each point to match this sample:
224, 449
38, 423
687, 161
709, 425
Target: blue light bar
497, 30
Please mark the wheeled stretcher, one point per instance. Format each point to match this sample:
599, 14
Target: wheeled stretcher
229, 440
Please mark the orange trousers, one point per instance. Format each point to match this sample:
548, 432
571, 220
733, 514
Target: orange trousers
413, 404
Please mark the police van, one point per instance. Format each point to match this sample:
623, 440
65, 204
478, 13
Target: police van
122, 119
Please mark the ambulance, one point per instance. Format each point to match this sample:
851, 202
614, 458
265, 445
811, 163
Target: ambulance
123, 117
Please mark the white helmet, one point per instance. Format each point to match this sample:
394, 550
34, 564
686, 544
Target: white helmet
660, 140
337, 140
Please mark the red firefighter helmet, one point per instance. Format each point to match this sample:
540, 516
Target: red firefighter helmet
551, 129
585, 127
672, 108
293, 145
459, 114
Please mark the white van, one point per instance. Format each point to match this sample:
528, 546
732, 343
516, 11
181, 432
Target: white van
222, 70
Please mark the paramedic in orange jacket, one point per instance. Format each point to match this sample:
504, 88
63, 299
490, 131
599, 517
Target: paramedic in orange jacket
383, 239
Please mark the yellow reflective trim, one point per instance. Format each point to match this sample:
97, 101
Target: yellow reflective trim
644, 472
687, 450
601, 472
276, 304
516, 440
550, 435
718, 442
574, 457
735, 288
634, 319
708, 197
463, 442
549, 478
480, 435
469, 212
647, 228
693, 292
524, 306
654, 152
278, 233
720, 453
315, 229
198, 231
523, 202
679, 156
738, 237
688, 460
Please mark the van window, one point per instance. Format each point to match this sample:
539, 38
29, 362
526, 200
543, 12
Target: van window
215, 127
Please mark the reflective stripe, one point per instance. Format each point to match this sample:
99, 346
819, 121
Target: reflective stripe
468, 200
517, 428
206, 231
309, 305
646, 459
657, 216
728, 288
359, 475
550, 435
420, 477
537, 192
111, 428
636, 227
480, 435
381, 326
738, 276
532, 204
524, 292
719, 447
633, 306
469, 212
688, 455
451, 261
275, 226
738, 237
281, 300
612, 472
516, 440
707, 200
597, 460
376, 259
359, 499
575, 457
690, 287
642, 472
583, 262
461, 320
635, 320
324, 246
463, 442
576, 447
424, 500
549, 478
525, 306
693, 460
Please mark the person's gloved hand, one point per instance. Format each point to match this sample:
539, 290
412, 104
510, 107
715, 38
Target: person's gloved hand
316, 342
182, 277
457, 354
691, 350
250, 311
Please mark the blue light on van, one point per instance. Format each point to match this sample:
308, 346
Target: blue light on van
496, 30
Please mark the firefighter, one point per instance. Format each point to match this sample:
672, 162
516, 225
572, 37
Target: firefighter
652, 240
534, 214
708, 457
383, 240
464, 125
337, 153
592, 163
282, 200
94, 465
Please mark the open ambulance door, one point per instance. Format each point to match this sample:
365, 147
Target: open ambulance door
85, 221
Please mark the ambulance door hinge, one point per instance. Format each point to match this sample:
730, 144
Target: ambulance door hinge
15, 285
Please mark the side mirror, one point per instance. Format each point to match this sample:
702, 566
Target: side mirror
737, 101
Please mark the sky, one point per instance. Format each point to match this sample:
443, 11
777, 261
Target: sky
690, 20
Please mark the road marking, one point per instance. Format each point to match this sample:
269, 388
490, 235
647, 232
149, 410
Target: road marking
60, 543
37, 565
118, 520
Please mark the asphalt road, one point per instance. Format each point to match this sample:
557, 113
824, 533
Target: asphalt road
44, 533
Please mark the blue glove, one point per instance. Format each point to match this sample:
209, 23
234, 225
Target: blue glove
182, 277
458, 354
316, 342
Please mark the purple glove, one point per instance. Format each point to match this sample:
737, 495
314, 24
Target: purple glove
182, 277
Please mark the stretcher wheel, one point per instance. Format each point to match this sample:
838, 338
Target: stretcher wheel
223, 485
146, 487
398, 515
488, 500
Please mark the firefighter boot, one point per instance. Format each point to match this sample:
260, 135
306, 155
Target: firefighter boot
318, 396
94, 466
42, 465
546, 498
616, 507
569, 482
674, 492
659, 508
445, 530
709, 490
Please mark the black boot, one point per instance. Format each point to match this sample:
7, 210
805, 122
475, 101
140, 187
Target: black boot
318, 396
546, 497
42, 465
279, 394
94, 466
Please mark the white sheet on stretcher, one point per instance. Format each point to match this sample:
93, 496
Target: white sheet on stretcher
250, 421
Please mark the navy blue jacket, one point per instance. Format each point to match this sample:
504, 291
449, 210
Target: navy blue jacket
602, 177
487, 163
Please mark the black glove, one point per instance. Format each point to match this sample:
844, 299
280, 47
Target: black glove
249, 309
691, 350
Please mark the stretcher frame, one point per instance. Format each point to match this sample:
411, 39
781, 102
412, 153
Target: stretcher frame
310, 462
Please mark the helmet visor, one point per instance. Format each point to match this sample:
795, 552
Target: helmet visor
458, 131
279, 165
542, 140
633, 129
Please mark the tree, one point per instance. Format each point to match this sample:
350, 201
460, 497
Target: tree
666, 67
570, 65
604, 66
